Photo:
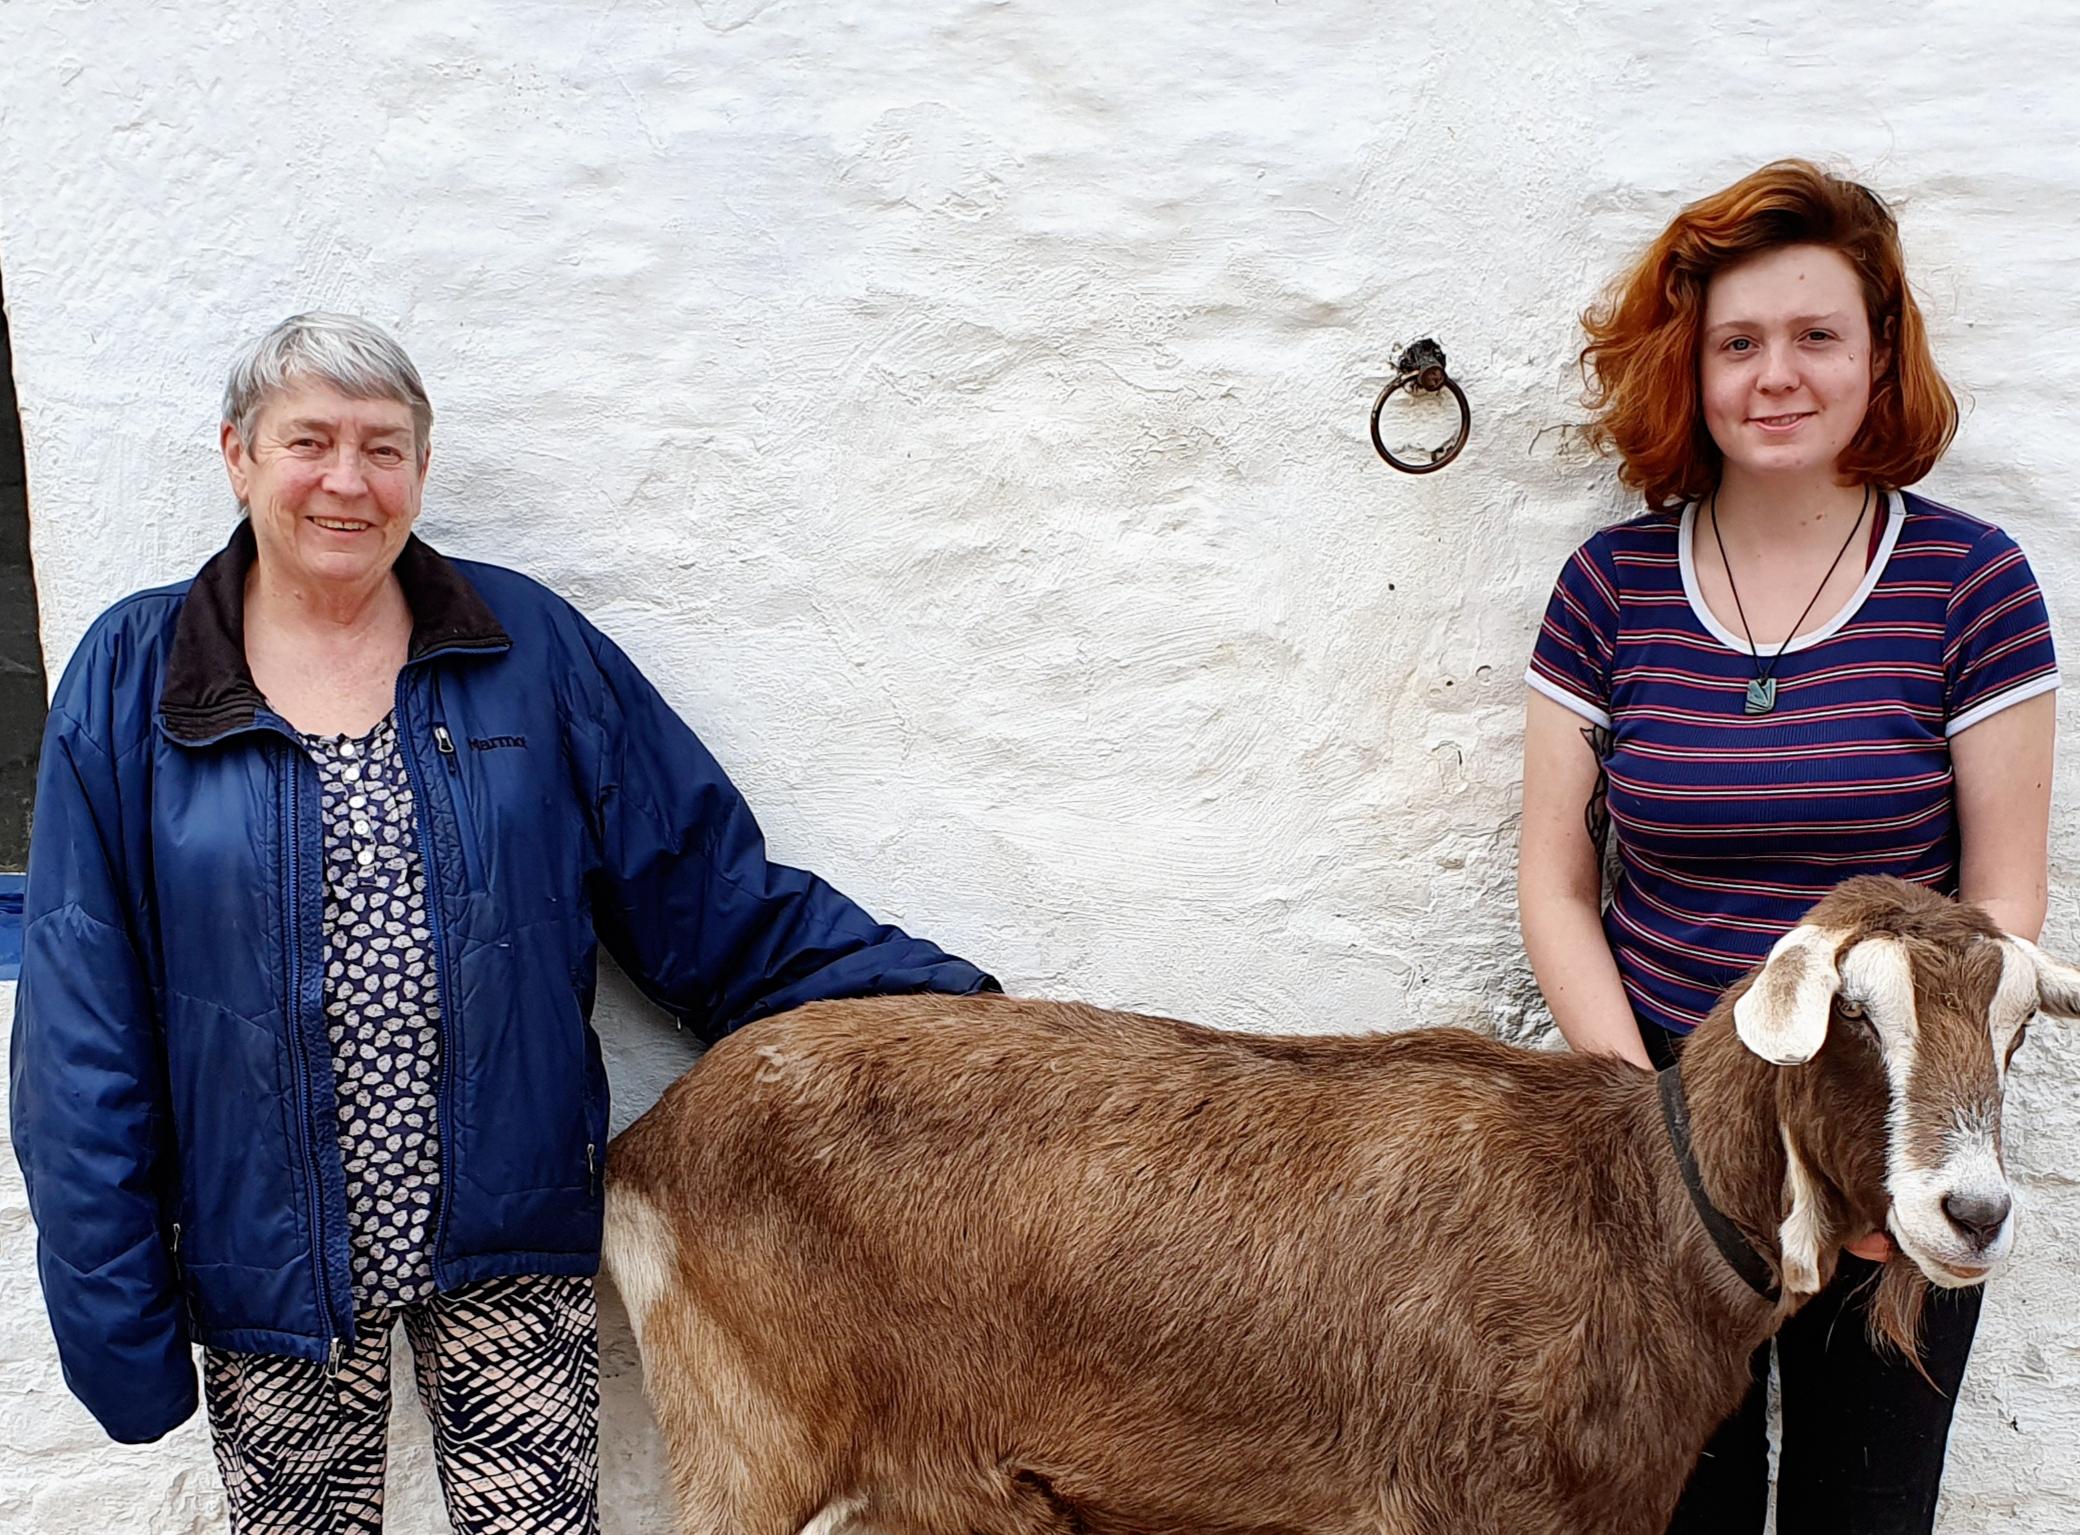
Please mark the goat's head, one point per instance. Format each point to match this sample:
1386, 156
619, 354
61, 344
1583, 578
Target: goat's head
1902, 1010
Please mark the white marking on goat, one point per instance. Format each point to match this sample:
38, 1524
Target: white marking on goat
1878, 974
782, 1069
1783, 1015
1972, 1164
835, 1517
1799, 1236
2014, 1002
640, 1252
2058, 983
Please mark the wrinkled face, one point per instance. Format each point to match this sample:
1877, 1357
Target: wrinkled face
1786, 361
1926, 1029
332, 484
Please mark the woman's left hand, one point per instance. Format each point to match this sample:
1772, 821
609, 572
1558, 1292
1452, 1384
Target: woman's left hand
1873, 1247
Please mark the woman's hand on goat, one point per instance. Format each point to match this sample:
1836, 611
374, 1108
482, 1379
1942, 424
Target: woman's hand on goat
1872, 1247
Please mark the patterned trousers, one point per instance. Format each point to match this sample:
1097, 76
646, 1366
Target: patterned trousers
508, 1371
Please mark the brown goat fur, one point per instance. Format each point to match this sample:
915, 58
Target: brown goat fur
928, 1265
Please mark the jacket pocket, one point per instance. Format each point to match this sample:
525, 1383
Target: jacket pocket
451, 777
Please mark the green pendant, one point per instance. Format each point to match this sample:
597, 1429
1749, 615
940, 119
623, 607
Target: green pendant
1762, 695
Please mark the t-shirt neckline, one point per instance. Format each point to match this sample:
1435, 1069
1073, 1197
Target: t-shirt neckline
1686, 533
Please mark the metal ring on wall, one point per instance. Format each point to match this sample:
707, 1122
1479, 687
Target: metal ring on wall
1421, 369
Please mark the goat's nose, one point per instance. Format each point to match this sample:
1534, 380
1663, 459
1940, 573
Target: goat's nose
1978, 1216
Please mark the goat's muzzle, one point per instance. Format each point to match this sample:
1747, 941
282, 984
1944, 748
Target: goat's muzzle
1979, 1217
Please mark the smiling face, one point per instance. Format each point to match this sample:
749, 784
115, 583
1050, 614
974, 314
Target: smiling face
1786, 361
332, 484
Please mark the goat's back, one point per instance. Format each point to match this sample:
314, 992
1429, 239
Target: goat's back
1289, 1262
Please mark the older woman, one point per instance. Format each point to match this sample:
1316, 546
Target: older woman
325, 840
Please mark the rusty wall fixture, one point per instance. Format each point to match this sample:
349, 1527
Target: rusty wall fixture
1420, 370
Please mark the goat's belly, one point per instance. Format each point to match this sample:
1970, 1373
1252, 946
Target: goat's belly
1122, 1430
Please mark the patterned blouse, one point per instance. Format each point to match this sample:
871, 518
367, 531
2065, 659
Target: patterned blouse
1730, 824
382, 1011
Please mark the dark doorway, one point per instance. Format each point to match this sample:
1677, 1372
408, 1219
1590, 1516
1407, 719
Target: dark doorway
21, 656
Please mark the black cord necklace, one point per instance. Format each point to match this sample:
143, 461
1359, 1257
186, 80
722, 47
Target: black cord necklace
1762, 689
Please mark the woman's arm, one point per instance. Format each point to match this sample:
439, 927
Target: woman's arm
687, 901
2003, 769
1560, 888
92, 1121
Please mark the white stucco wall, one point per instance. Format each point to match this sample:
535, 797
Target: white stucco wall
959, 409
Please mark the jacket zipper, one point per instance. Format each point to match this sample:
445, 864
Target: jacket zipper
180, 1281
294, 848
592, 1168
465, 839
444, 1090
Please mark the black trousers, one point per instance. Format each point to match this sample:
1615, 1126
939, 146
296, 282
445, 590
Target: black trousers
1863, 1433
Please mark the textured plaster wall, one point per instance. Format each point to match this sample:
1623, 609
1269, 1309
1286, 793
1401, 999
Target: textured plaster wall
960, 410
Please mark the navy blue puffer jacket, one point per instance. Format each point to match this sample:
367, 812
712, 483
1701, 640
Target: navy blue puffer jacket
172, 1091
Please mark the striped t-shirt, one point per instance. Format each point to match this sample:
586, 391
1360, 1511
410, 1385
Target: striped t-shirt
1730, 825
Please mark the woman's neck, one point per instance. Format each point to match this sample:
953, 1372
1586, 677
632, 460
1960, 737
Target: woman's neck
325, 657
324, 613
1786, 514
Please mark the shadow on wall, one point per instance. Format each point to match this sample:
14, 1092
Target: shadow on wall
21, 656
21, 664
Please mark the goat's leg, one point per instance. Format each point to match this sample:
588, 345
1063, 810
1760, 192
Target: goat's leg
1038, 1507
730, 1482
740, 1464
1004, 1499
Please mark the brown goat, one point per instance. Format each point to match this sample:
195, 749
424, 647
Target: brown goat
930, 1266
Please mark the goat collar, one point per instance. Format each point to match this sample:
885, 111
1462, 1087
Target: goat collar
1733, 1247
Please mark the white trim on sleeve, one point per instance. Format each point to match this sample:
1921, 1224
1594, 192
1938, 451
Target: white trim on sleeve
1987, 707
1566, 700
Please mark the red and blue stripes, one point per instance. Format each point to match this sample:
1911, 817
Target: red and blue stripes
1730, 825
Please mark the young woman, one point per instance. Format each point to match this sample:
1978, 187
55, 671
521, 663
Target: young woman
1788, 671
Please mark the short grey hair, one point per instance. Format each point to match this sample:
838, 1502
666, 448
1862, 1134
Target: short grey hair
358, 359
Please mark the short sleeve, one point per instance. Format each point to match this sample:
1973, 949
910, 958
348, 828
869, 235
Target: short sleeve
1997, 637
1571, 660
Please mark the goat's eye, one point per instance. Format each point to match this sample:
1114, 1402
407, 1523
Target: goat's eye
1849, 1007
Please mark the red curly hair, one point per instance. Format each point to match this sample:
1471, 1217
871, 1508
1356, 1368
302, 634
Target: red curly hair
1641, 363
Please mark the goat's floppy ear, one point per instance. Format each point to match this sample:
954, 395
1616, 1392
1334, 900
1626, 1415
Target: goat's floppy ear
2058, 983
1783, 1015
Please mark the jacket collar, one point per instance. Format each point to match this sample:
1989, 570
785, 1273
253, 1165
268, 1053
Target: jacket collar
209, 690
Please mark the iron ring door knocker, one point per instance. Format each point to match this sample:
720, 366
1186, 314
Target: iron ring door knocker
1420, 370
